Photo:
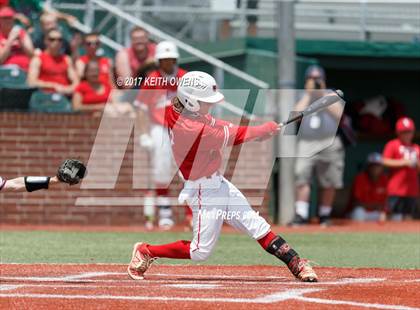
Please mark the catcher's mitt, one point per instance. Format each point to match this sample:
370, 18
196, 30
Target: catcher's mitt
71, 171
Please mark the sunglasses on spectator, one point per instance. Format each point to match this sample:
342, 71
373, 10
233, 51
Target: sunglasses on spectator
92, 43
51, 39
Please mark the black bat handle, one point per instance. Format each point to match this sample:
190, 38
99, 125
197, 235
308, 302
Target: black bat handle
293, 119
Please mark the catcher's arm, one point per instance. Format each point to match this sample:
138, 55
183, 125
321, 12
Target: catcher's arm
71, 171
21, 184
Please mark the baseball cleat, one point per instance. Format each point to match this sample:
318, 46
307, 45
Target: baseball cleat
166, 224
325, 221
297, 221
149, 225
141, 260
302, 270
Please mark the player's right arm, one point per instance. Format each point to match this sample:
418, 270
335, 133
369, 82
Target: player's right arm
215, 138
23, 184
71, 171
389, 159
122, 67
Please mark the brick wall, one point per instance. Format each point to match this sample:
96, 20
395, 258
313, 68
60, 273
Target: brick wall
35, 144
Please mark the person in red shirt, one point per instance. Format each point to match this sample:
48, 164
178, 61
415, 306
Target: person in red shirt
16, 46
197, 141
157, 89
368, 199
129, 61
93, 93
51, 70
402, 156
92, 45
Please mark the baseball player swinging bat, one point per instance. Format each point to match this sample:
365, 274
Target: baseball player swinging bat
197, 142
318, 105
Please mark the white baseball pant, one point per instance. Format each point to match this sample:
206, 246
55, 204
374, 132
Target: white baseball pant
214, 200
161, 155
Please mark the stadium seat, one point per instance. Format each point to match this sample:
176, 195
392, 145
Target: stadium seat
12, 77
49, 103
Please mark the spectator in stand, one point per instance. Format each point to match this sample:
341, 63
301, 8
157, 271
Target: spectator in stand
156, 92
30, 10
16, 46
92, 45
368, 199
328, 164
93, 93
402, 157
226, 27
130, 60
21, 18
49, 21
51, 70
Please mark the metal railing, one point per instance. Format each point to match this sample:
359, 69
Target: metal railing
116, 11
360, 17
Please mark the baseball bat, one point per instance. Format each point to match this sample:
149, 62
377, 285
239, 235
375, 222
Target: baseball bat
318, 105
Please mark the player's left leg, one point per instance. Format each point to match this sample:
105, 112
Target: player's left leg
162, 174
245, 219
207, 203
329, 169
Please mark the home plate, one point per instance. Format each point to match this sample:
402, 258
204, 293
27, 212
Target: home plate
194, 286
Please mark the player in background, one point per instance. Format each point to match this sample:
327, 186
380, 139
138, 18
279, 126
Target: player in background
402, 156
327, 165
197, 141
158, 88
71, 171
368, 195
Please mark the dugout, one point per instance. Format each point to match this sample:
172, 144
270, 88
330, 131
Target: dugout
360, 69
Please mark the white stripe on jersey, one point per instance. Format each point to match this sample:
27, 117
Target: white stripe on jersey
226, 130
2, 183
213, 121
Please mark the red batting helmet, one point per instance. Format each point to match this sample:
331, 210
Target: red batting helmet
405, 124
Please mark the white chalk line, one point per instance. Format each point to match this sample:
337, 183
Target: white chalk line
233, 285
295, 294
272, 298
353, 303
214, 279
69, 278
8, 287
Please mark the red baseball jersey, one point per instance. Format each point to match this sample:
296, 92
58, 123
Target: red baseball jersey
105, 67
92, 96
403, 181
17, 55
159, 91
198, 140
369, 192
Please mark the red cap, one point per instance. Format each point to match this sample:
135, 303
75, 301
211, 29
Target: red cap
405, 124
7, 12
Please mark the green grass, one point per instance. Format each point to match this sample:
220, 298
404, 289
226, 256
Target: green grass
387, 250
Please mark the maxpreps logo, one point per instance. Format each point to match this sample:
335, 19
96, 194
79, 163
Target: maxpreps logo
115, 133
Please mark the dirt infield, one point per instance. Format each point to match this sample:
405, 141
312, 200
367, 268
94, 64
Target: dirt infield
53, 286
